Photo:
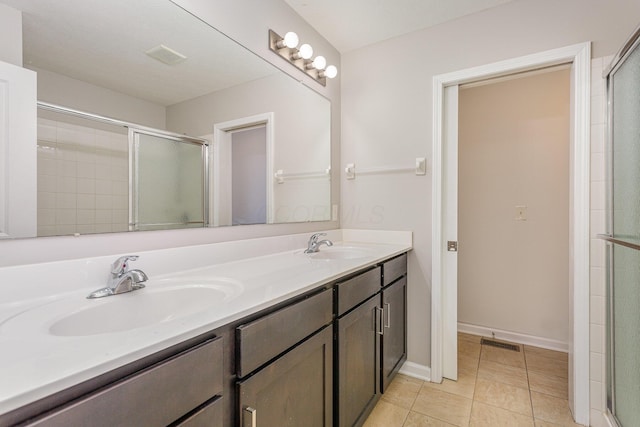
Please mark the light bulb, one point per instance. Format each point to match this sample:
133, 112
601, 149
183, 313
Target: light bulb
290, 40
319, 63
305, 51
331, 72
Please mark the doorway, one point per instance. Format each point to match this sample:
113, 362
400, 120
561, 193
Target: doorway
242, 174
444, 205
513, 208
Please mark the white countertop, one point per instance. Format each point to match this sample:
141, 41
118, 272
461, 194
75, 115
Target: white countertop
35, 363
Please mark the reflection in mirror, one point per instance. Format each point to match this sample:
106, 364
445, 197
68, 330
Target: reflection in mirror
95, 56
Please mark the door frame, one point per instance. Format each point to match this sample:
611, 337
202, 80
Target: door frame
220, 184
579, 55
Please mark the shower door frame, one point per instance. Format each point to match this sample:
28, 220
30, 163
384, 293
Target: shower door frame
618, 60
134, 208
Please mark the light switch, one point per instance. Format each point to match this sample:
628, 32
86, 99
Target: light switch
521, 213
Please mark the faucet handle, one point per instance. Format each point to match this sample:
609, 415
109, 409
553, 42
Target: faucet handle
120, 265
314, 237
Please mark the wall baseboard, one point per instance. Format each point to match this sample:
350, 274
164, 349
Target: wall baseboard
416, 370
514, 337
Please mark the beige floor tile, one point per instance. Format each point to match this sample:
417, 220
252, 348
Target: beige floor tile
503, 373
541, 423
464, 386
402, 391
416, 419
468, 364
550, 354
503, 396
469, 349
443, 406
547, 366
499, 355
485, 415
548, 384
551, 409
386, 415
469, 337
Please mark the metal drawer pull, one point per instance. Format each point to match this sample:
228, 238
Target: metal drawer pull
249, 417
387, 305
380, 331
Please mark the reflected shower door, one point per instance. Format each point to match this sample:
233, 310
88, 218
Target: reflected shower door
623, 316
168, 182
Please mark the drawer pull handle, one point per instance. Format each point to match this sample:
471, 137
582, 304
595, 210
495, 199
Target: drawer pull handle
380, 320
249, 417
387, 323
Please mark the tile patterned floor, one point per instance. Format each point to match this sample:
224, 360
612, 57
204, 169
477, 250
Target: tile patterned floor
495, 388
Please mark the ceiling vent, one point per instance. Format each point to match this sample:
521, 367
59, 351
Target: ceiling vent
166, 55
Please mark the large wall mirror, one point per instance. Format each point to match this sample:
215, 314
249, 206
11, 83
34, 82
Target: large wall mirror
152, 119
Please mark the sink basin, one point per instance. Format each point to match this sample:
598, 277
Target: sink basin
340, 252
161, 301
135, 310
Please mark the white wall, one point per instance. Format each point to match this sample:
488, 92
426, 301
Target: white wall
513, 150
247, 22
10, 35
301, 131
72, 93
387, 112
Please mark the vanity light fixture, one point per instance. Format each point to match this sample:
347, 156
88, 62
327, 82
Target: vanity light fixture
300, 57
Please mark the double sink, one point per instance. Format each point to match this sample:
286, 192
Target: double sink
169, 299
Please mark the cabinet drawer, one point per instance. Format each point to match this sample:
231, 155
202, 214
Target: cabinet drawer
265, 338
156, 396
357, 289
393, 269
295, 390
208, 416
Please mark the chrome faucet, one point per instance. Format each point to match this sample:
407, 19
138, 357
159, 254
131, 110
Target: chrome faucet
314, 244
122, 279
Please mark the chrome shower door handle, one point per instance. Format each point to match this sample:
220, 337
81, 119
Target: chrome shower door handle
249, 417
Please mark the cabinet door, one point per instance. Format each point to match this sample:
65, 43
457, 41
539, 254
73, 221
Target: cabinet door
294, 390
394, 338
358, 355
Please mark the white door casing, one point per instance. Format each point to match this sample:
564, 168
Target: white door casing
18, 152
444, 280
450, 201
220, 184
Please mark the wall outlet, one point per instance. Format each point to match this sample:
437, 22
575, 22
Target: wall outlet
334, 212
521, 213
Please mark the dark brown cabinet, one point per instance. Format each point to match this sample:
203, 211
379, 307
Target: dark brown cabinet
358, 355
358, 329
285, 365
162, 394
294, 390
394, 327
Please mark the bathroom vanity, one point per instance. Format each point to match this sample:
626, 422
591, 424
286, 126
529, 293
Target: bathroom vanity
317, 353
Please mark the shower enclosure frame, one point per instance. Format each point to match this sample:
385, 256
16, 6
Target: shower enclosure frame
134, 128
619, 59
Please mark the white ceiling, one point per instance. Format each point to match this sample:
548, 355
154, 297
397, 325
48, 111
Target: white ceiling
103, 42
351, 24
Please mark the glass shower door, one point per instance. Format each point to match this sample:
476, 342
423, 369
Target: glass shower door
623, 314
168, 182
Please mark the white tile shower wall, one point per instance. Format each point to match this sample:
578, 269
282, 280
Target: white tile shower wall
83, 178
598, 225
